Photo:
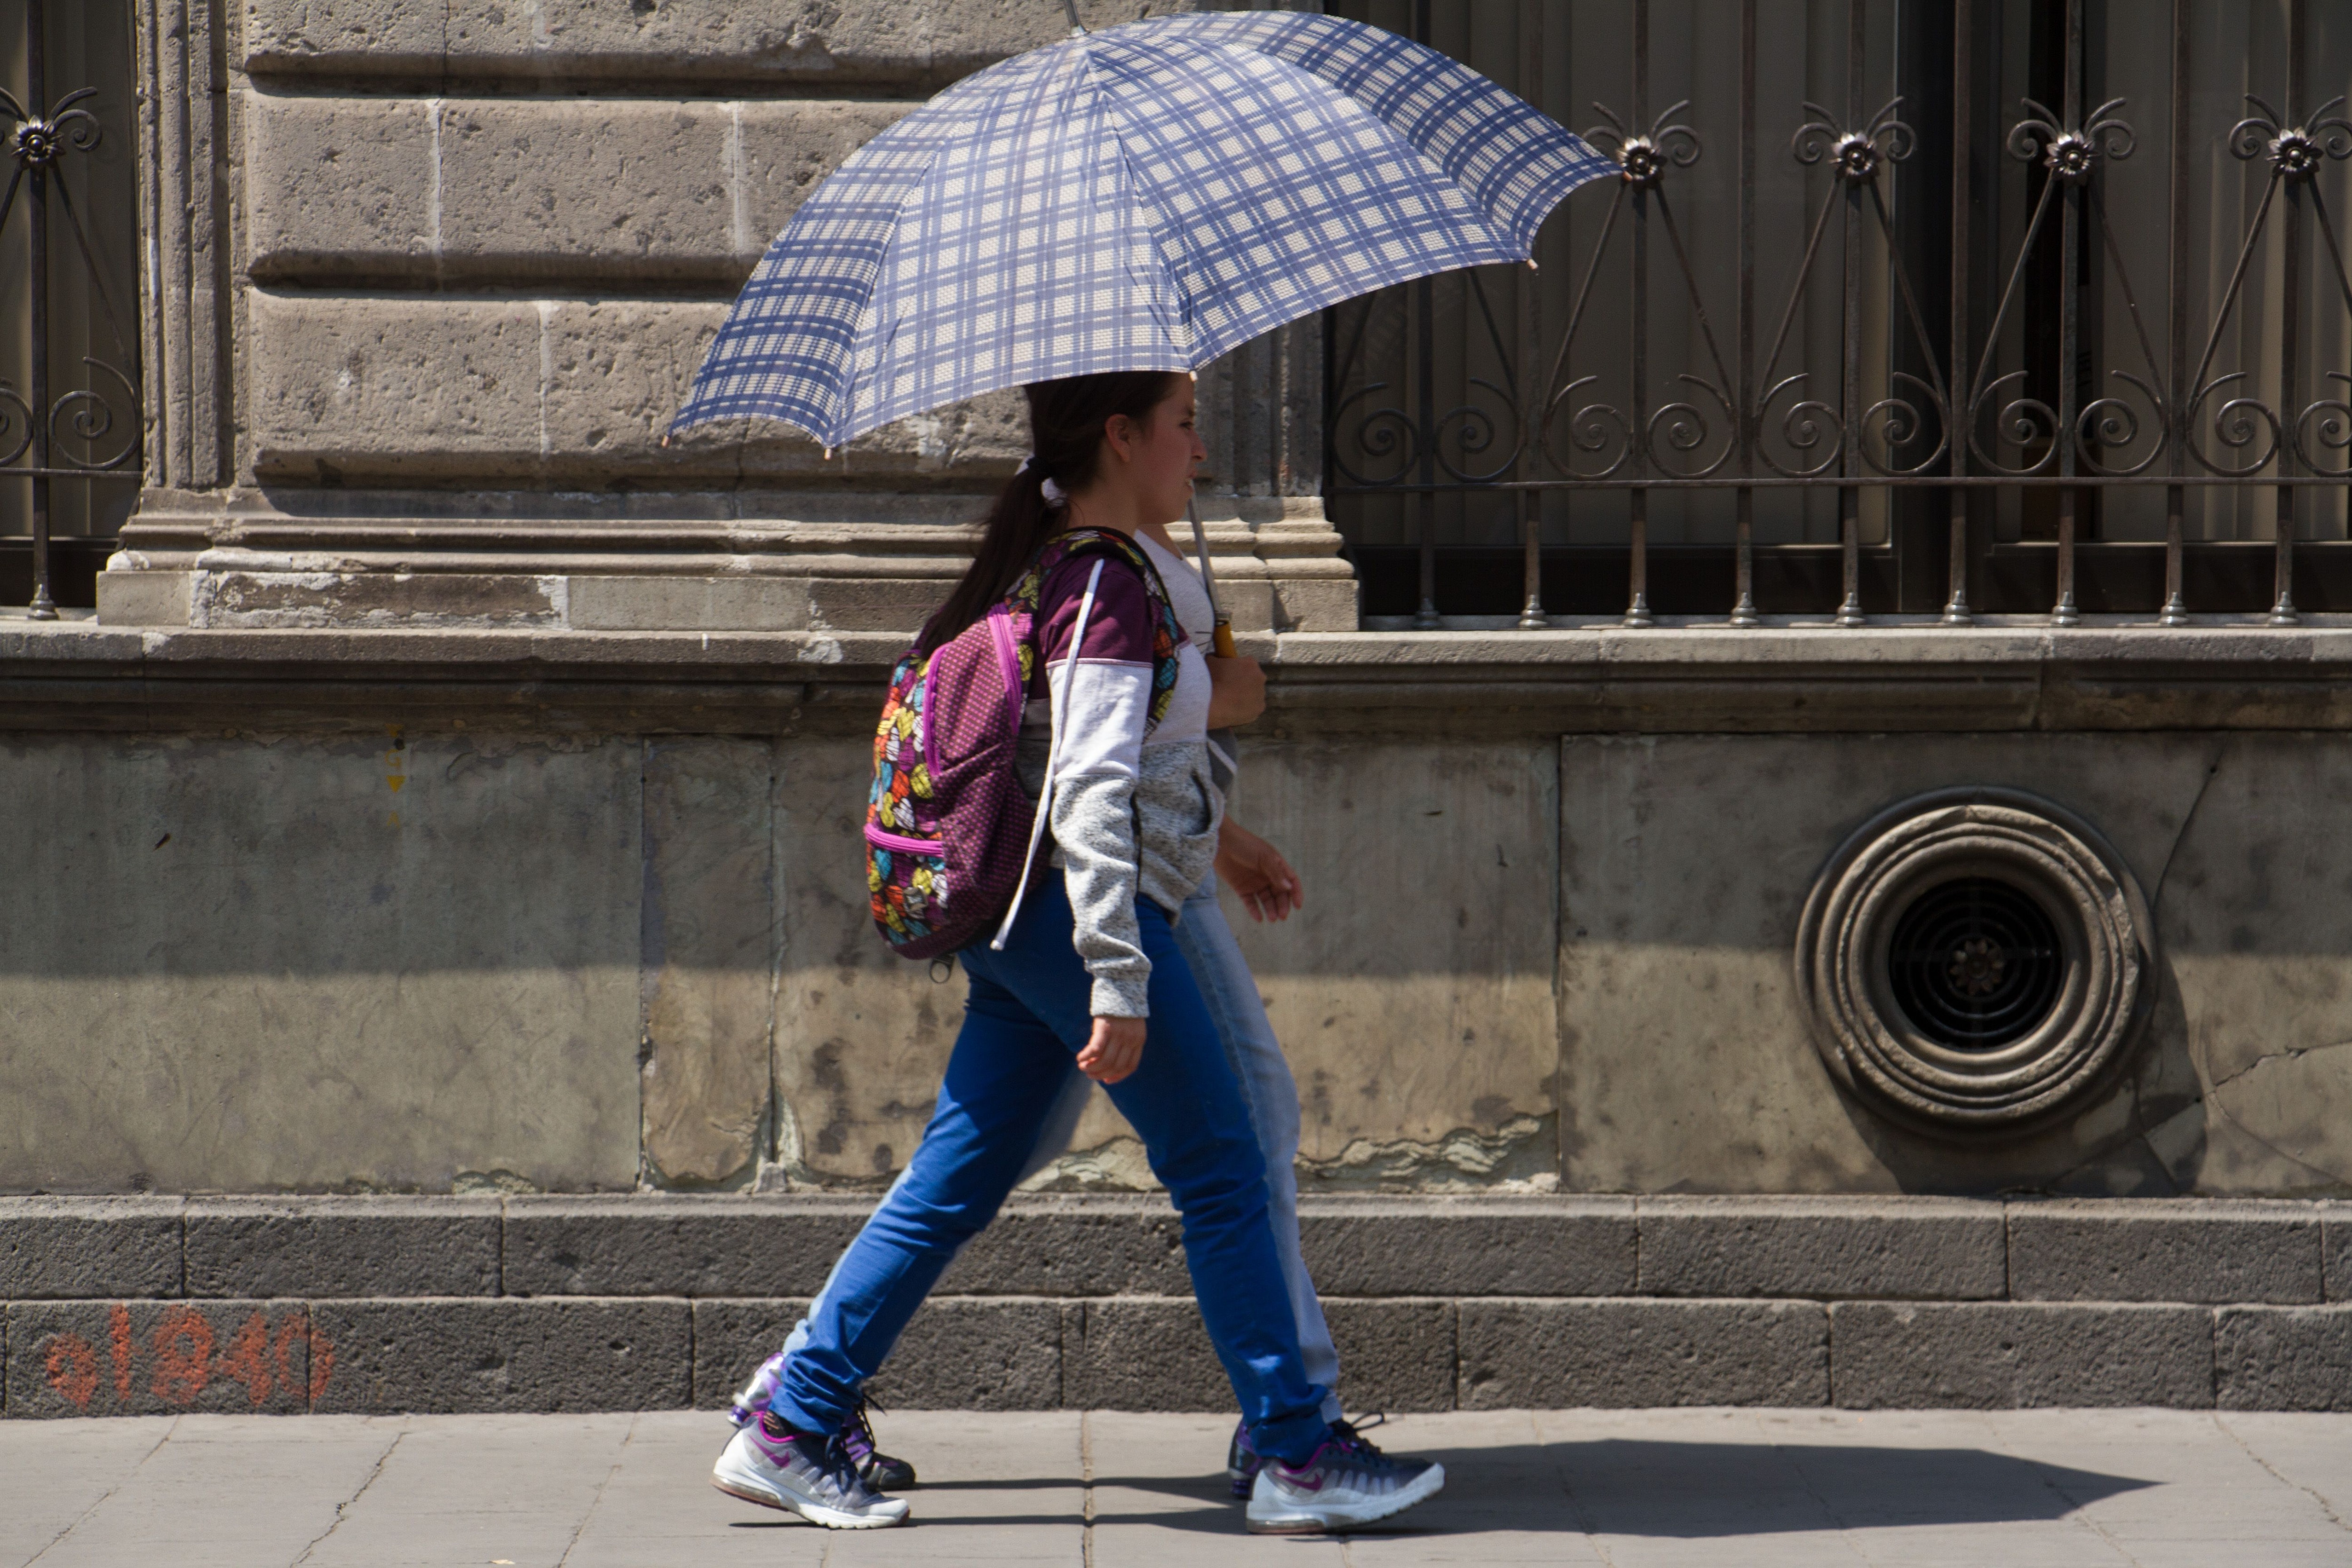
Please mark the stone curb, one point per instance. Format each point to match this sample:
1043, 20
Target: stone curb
342, 1247
2164, 1249
474, 1354
2006, 1354
2272, 1252
1923, 1248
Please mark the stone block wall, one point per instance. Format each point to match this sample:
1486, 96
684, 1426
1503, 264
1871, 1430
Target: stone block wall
560, 911
119, 1307
458, 270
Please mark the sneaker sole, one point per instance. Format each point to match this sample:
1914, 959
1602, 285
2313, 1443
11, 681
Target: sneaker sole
1340, 1521
815, 1513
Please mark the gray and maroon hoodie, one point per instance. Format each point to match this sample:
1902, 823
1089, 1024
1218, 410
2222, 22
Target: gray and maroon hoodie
1135, 809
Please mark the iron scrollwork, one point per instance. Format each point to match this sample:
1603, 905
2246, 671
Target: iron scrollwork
72, 434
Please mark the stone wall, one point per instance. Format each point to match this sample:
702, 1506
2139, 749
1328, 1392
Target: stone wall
443, 911
420, 344
130, 1307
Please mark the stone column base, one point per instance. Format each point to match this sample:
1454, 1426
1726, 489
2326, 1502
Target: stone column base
701, 563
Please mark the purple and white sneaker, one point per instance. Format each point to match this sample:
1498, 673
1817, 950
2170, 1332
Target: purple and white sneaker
767, 1463
1346, 1484
876, 1469
754, 1395
1242, 1462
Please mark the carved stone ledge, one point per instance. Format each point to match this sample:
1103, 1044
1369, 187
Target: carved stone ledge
782, 562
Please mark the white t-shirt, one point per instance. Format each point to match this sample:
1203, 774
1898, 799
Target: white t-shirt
1189, 596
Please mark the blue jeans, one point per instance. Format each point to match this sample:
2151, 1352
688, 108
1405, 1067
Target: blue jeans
1230, 989
1027, 1017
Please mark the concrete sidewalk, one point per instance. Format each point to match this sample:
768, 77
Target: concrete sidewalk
1628, 1489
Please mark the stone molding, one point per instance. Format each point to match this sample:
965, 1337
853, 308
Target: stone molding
155, 1305
78, 675
1892, 1063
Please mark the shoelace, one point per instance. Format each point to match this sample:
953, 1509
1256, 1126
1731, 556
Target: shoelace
857, 1435
1349, 1435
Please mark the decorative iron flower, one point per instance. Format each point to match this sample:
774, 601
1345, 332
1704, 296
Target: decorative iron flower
2070, 156
1639, 161
1643, 156
37, 143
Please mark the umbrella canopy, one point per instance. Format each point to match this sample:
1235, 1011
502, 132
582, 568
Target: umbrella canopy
1141, 199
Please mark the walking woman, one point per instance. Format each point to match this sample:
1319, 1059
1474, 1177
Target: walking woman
1270, 891
1089, 970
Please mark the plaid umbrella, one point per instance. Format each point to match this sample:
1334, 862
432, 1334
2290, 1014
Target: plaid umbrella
1141, 199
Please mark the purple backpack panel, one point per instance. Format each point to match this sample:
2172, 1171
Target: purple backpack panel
946, 823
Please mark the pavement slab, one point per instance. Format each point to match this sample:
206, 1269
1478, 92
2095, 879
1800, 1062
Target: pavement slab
1621, 1488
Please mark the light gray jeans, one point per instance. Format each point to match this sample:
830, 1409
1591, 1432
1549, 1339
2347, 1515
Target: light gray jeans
1230, 989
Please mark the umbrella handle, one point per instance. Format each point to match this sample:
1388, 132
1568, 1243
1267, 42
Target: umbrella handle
1223, 640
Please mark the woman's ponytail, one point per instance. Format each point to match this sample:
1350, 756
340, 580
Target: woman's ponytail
1066, 436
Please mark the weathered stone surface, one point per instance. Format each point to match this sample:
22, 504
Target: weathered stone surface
330, 178
1394, 1355
1553, 1354
2255, 928
89, 1248
157, 1358
304, 964
1924, 1247
480, 1356
1469, 1246
1140, 1354
649, 1246
1687, 1058
1414, 1004
2335, 1231
862, 1035
1996, 1355
917, 42
647, 601
139, 598
709, 956
285, 600
343, 1247
403, 390
392, 34
2283, 1358
1074, 1247
958, 1353
450, 189
2111, 1249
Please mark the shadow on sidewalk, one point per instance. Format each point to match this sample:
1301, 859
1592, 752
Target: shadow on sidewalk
1642, 1488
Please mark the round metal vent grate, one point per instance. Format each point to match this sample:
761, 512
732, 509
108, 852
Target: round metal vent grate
1975, 963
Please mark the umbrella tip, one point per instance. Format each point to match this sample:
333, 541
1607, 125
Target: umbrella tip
1078, 28
828, 453
1531, 264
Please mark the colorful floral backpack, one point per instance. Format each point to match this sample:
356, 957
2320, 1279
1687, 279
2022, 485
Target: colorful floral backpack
949, 832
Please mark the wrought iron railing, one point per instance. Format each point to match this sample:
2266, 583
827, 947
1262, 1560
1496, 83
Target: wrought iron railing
1959, 397
89, 430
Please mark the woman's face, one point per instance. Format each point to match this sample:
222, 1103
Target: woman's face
1156, 457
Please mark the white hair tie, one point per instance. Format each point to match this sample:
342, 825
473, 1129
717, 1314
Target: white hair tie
1054, 494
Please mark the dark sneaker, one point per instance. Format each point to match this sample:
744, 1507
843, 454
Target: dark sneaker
876, 1469
769, 1464
1347, 1484
1243, 1461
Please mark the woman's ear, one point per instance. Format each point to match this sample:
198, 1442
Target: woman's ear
1120, 434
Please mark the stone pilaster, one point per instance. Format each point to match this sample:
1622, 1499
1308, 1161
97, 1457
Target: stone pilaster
463, 316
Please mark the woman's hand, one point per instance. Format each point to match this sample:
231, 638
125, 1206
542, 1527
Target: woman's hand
1114, 1050
1237, 691
1255, 869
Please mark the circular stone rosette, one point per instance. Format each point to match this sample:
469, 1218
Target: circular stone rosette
1977, 962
